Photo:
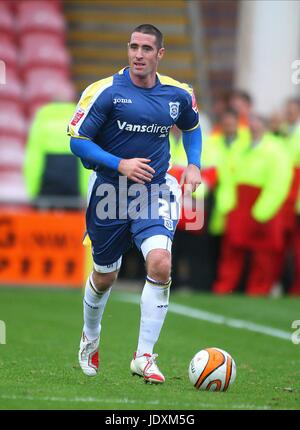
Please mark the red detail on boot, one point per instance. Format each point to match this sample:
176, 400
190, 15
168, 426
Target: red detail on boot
95, 360
154, 377
144, 355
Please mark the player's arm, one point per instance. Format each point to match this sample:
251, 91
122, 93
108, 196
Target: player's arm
92, 155
192, 142
88, 119
188, 122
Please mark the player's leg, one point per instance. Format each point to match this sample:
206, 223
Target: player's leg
153, 236
110, 239
155, 295
154, 306
96, 294
97, 290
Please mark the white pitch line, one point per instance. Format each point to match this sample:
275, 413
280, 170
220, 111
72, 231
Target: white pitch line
126, 401
199, 314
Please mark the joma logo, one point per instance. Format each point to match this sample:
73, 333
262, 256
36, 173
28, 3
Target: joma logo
122, 101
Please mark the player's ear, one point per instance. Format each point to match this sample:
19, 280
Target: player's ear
161, 53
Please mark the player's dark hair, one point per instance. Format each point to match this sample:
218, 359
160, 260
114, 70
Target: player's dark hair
150, 29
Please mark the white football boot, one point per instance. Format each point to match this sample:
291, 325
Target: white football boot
89, 355
146, 367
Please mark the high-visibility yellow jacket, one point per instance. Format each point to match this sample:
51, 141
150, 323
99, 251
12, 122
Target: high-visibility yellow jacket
216, 152
292, 145
265, 166
177, 152
47, 142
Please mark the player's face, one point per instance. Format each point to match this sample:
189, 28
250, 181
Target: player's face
143, 54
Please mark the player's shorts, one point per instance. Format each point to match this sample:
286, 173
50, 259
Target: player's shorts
119, 216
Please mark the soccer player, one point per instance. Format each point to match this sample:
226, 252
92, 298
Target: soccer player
120, 129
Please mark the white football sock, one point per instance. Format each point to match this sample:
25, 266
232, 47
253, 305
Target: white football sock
94, 303
154, 307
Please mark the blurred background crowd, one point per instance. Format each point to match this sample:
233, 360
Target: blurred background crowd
240, 57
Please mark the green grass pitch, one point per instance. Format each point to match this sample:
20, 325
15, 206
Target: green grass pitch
39, 368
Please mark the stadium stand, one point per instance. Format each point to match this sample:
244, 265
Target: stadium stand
39, 16
17, 127
97, 31
220, 23
39, 53
11, 92
30, 33
40, 92
9, 55
11, 153
6, 23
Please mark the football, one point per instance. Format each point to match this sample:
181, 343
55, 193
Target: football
212, 369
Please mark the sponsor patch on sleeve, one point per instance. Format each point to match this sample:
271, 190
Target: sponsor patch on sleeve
77, 116
194, 103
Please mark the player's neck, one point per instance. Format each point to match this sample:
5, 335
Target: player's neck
148, 81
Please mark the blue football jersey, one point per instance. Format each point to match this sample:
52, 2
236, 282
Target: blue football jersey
130, 121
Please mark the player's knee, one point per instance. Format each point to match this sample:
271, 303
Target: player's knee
159, 265
103, 281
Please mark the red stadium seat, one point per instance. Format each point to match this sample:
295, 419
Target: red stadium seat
14, 107
41, 55
12, 125
23, 5
12, 90
41, 38
7, 25
40, 16
11, 152
12, 187
38, 93
38, 74
8, 53
50, 89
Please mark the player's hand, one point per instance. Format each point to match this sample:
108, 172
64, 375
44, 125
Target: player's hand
136, 169
191, 179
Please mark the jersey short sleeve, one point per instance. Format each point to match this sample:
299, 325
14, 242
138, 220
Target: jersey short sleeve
92, 110
189, 116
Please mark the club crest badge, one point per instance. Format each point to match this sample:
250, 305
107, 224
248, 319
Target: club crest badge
168, 223
174, 109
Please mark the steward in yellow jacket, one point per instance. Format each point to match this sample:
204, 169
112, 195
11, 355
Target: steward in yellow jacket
258, 187
222, 151
50, 169
291, 209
